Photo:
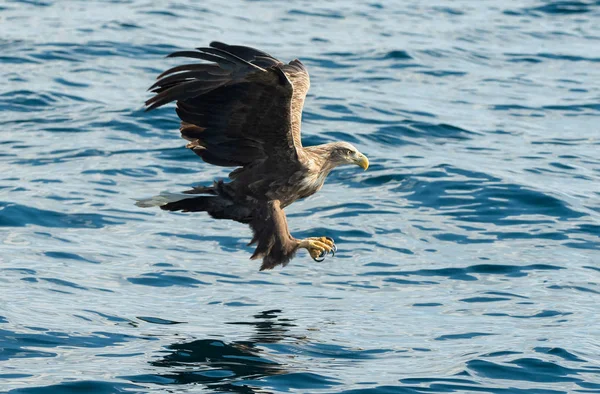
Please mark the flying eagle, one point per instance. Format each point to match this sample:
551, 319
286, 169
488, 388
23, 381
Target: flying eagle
243, 109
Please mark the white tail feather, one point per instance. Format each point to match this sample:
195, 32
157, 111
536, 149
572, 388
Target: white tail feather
162, 199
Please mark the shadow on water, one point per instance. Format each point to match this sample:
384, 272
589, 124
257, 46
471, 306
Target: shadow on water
220, 365
557, 8
254, 364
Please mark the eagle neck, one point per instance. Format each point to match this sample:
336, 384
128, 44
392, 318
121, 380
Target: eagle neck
318, 158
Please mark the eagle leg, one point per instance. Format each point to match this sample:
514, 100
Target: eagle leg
318, 247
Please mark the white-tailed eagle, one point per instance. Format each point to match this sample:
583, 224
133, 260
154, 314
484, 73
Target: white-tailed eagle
243, 109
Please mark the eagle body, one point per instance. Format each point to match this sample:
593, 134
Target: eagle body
243, 110
270, 181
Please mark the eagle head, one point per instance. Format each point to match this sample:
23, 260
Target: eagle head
342, 153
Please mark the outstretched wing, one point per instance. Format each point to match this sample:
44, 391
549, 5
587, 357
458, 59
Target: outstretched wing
294, 70
243, 107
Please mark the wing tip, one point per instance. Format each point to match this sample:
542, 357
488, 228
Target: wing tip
218, 44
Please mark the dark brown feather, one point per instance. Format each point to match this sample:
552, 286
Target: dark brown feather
210, 68
229, 56
181, 77
252, 55
246, 53
274, 243
182, 91
222, 62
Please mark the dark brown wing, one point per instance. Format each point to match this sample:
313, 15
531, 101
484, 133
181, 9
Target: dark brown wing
241, 108
295, 71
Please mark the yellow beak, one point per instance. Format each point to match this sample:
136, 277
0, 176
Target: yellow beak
362, 161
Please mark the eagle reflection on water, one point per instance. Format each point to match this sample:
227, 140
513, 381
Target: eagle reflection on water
223, 366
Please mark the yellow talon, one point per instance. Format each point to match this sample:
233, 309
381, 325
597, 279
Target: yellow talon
318, 247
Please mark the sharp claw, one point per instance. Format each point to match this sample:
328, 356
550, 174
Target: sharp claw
321, 257
333, 247
324, 253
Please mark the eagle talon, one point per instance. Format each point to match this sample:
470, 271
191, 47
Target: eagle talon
318, 247
321, 257
334, 248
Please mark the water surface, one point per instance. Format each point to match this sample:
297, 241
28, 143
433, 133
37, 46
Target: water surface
468, 254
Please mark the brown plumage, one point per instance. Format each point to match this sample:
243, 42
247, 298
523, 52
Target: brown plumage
244, 110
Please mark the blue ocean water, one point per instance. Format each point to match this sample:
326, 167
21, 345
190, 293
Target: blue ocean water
468, 253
